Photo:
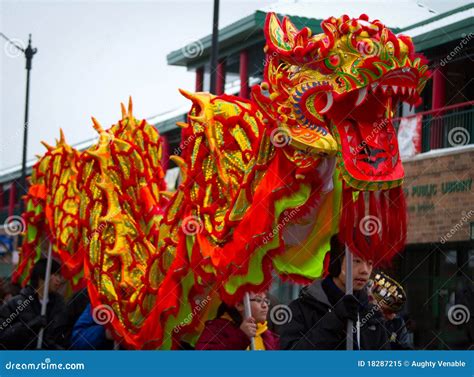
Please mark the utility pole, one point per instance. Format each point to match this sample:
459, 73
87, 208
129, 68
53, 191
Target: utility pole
29, 52
214, 48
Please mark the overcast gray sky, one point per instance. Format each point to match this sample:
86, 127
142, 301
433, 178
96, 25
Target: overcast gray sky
94, 54
91, 56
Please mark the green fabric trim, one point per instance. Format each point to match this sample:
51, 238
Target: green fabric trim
255, 274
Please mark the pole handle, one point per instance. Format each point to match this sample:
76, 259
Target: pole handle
44, 304
248, 313
349, 291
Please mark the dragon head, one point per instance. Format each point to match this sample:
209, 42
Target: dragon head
334, 93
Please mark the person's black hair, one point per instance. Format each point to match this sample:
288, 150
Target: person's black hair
231, 311
39, 271
336, 256
8, 288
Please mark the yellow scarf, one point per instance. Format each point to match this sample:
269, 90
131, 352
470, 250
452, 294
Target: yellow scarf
261, 328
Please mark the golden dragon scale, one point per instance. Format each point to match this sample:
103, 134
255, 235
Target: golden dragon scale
51, 215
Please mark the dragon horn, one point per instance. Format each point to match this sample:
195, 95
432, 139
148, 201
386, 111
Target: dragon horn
47, 146
130, 107
97, 125
187, 94
124, 110
183, 167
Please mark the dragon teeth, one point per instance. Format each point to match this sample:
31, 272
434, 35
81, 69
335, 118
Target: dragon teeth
395, 89
362, 94
394, 160
330, 101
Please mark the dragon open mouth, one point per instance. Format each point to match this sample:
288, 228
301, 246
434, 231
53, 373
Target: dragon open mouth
360, 121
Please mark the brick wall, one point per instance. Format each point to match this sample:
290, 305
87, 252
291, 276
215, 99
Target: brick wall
440, 195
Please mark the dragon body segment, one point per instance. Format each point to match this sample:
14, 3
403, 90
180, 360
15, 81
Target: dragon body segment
264, 184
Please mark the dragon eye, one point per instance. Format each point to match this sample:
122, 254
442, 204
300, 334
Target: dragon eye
333, 61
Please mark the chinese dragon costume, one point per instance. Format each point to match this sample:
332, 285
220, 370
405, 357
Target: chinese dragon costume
265, 182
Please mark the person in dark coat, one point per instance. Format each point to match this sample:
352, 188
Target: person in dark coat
21, 319
319, 316
230, 331
8, 290
397, 332
88, 334
75, 306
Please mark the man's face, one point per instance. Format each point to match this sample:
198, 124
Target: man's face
55, 282
361, 270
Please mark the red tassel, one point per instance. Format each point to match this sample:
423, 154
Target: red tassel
386, 235
384, 247
360, 239
374, 209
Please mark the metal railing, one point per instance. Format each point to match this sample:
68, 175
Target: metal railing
445, 127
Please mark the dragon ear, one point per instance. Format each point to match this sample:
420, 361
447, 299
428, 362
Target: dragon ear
284, 40
277, 40
290, 30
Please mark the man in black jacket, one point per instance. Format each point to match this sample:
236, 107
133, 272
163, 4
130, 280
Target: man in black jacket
320, 314
20, 317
